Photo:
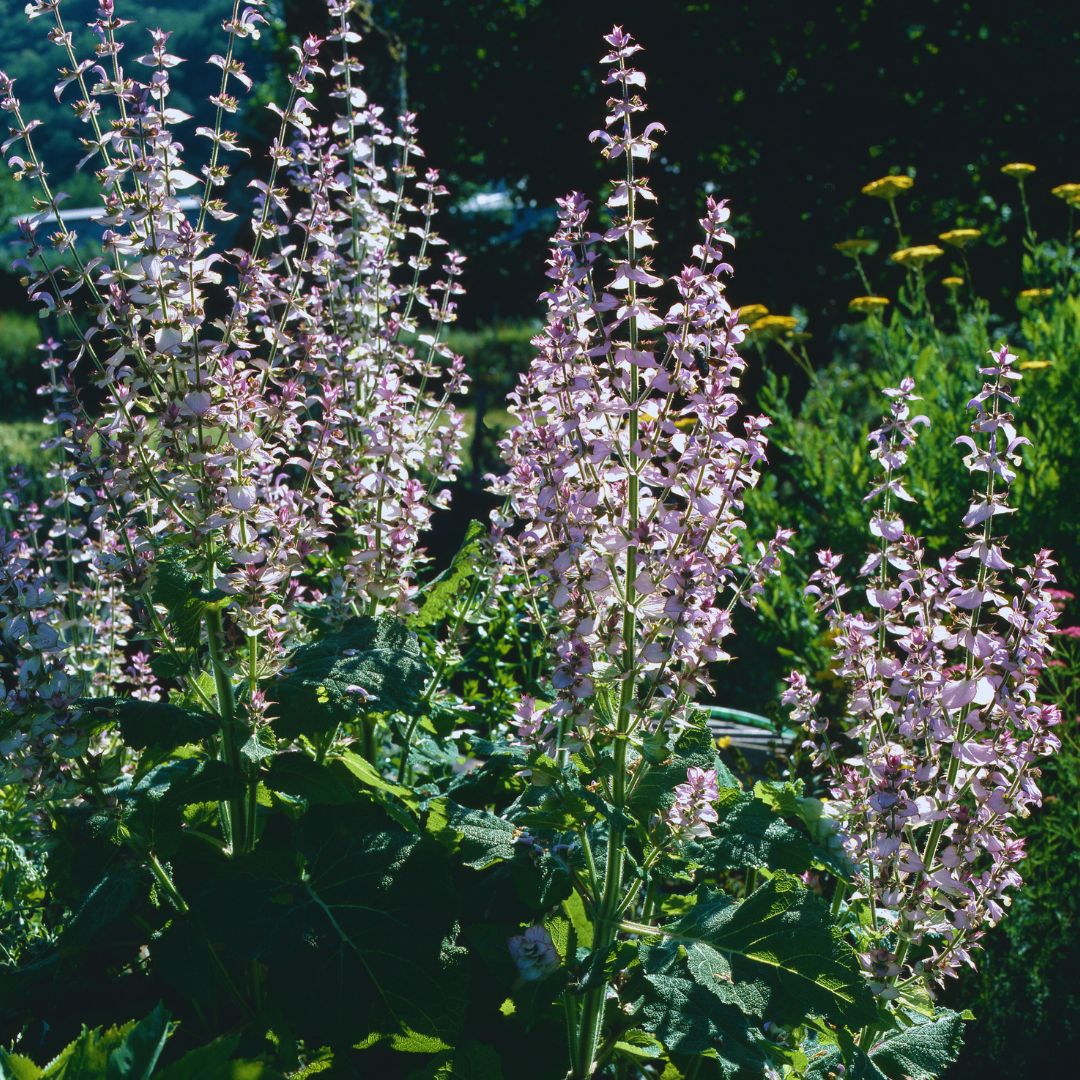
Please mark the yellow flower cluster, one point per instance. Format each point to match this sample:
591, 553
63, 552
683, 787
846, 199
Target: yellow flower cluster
1018, 169
1069, 192
952, 282
1034, 365
772, 326
917, 256
1036, 295
750, 313
888, 187
856, 246
960, 238
868, 303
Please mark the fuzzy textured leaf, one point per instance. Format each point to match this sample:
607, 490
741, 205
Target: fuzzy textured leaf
749, 833
371, 665
687, 1020
159, 724
775, 954
922, 1051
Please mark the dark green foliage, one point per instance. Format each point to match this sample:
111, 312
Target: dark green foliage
694, 747
922, 1051
750, 834
371, 665
482, 838
439, 597
775, 954
156, 724
180, 591
687, 1019
129, 1052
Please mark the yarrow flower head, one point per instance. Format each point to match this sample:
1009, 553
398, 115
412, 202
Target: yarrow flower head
624, 467
856, 246
937, 756
868, 303
960, 238
917, 256
888, 187
1018, 169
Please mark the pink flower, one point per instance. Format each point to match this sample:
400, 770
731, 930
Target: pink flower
942, 724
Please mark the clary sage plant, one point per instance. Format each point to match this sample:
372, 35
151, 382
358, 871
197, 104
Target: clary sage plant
227, 711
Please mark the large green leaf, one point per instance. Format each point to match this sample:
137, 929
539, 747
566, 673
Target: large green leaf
922, 1051
749, 833
479, 837
352, 920
687, 1019
469, 1061
17, 1067
371, 665
129, 1052
775, 954
215, 1062
826, 844
159, 724
181, 593
137, 1056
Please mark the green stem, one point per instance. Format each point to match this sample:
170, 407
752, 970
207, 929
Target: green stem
592, 1009
838, 898
238, 833
367, 739
166, 883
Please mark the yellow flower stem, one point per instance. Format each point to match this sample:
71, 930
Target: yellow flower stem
896, 222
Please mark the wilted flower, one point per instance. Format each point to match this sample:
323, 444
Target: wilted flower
916, 256
960, 238
868, 303
534, 953
888, 187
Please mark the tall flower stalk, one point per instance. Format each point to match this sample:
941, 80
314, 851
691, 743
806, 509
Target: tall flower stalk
269, 428
624, 486
937, 755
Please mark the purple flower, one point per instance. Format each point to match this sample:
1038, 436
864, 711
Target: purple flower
278, 415
943, 729
534, 953
694, 810
625, 470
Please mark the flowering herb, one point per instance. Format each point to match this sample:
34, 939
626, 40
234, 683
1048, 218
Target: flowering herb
937, 756
276, 419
